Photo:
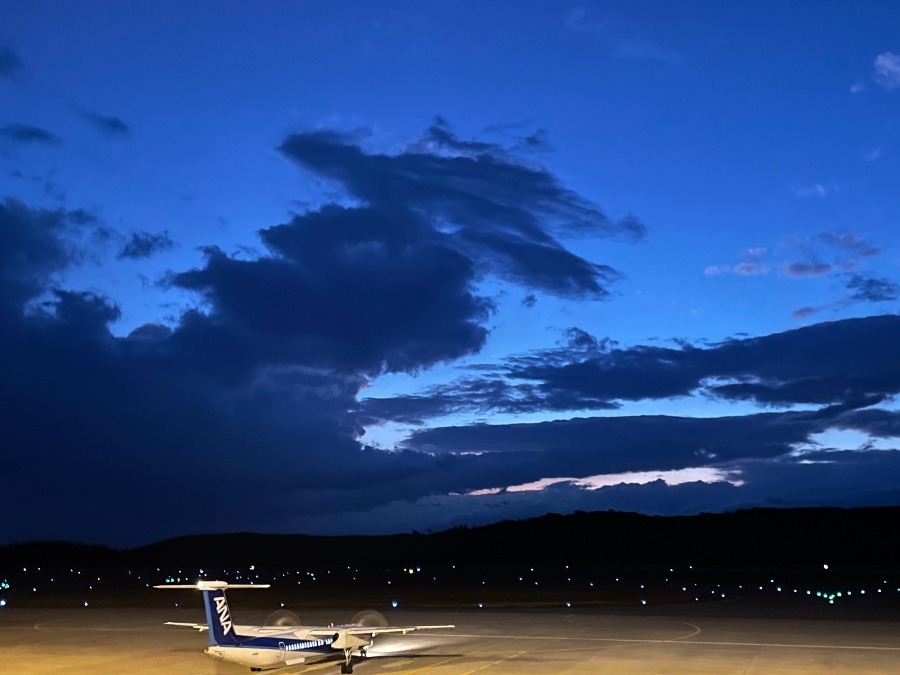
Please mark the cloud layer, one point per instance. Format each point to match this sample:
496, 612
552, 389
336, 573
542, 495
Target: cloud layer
256, 387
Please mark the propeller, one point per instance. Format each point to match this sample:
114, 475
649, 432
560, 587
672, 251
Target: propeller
282, 617
370, 619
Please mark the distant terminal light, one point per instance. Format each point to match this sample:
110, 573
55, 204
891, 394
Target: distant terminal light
394, 604
2, 603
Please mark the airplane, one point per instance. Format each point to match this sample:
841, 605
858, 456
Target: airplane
266, 647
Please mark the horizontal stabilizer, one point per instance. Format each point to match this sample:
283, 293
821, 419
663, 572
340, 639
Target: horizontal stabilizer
197, 626
204, 585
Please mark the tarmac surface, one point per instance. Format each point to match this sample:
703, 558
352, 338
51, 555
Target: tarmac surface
718, 638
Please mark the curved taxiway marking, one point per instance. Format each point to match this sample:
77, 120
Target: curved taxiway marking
697, 631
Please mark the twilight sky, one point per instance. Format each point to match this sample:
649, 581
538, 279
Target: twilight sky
356, 267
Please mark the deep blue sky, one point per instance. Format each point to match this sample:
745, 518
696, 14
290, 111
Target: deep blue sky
373, 267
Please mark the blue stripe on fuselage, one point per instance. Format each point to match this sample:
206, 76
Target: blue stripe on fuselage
315, 646
323, 646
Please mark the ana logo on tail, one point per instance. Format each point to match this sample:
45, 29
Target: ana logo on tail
224, 616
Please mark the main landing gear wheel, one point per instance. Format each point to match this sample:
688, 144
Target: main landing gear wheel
347, 667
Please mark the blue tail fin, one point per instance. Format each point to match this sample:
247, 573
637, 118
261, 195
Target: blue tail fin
218, 615
218, 618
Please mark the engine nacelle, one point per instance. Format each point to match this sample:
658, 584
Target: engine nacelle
343, 639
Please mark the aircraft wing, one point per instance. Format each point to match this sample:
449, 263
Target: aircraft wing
370, 630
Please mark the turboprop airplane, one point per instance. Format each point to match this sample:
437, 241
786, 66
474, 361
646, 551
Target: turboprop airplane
265, 647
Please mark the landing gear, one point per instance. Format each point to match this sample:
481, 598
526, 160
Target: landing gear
347, 667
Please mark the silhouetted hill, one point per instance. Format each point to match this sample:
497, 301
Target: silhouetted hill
36, 553
861, 536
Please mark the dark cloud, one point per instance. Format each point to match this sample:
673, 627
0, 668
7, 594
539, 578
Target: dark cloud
439, 137
350, 289
872, 421
475, 395
119, 427
608, 445
868, 288
10, 63
826, 363
145, 244
108, 126
842, 249
761, 454
807, 312
471, 196
260, 386
800, 269
256, 389
853, 363
31, 249
388, 283
26, 134
846, 478
850, 242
